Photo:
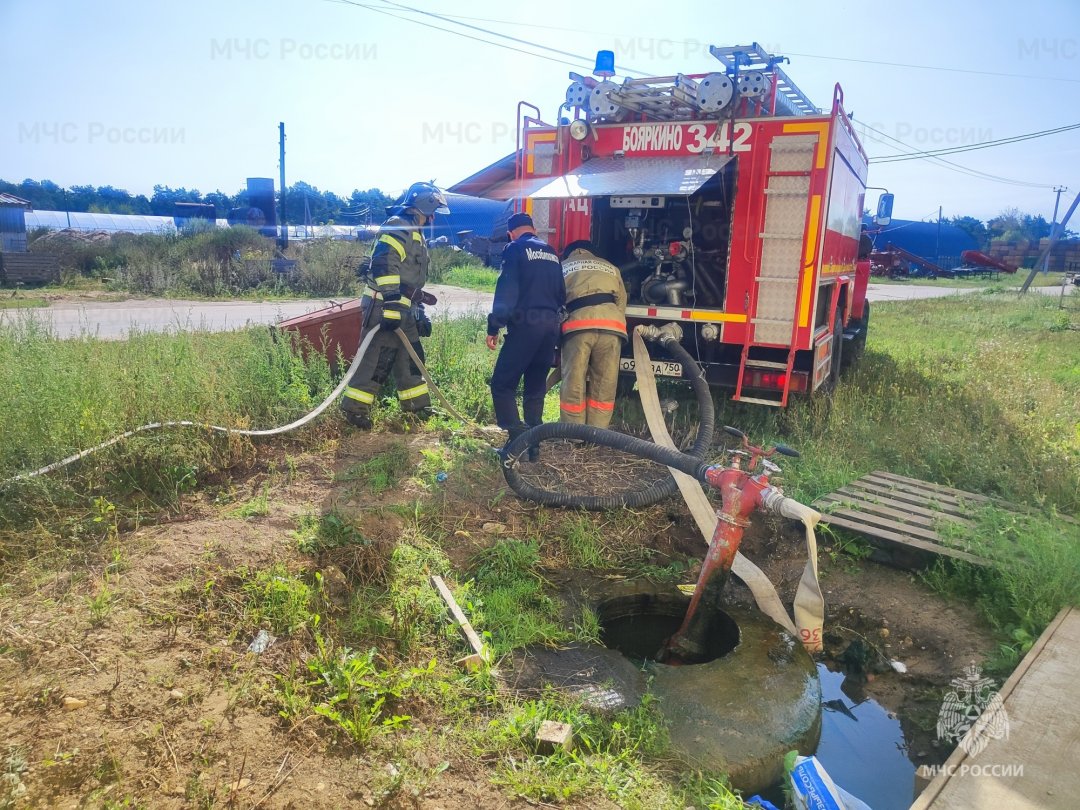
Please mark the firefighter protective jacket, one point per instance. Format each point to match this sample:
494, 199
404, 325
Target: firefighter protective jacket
399, 265
530, 284
595, 295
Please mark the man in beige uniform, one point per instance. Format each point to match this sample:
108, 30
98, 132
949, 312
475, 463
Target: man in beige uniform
592, 336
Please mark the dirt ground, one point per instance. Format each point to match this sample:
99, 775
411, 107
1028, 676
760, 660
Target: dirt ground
145, 707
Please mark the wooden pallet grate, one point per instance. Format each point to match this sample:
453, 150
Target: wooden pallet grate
899, 516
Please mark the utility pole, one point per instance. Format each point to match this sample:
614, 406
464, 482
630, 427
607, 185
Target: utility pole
1054, 234
1053, 222
283, 241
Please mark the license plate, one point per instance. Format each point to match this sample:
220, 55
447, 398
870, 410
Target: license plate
661, 368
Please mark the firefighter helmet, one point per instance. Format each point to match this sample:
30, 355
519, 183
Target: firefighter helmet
425, 198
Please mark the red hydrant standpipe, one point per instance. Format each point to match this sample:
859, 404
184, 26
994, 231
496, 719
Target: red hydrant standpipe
741, 494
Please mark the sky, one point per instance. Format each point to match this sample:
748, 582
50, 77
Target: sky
133, 94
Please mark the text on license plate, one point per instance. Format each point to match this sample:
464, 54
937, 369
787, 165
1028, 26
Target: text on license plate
661, 368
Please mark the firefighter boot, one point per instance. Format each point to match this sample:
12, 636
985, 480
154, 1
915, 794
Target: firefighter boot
534, 416
358, 419
511, 434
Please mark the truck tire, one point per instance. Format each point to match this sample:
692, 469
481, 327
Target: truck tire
837, 355
856, 347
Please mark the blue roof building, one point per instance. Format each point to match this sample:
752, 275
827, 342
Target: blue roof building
939, 244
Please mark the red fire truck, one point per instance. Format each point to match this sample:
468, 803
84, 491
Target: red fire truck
731, 204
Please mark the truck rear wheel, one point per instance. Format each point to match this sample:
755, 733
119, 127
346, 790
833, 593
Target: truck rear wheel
837, 355
856, 347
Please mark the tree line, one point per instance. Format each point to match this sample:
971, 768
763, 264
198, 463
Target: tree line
303, 202
1011, 224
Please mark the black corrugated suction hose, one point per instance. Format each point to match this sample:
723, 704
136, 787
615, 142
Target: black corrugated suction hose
690, 462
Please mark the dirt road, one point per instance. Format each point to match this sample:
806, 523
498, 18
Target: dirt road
114, 319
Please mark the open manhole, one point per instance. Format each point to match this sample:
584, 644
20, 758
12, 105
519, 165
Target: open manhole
637, 625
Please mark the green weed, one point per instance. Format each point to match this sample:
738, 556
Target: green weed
381, 472
61, 396
355, 695
583, 543
1033, 574
587, 628
279, 599
510, 594
259, 506
100, 604
472, 278
315, 533
460, 269
611, 758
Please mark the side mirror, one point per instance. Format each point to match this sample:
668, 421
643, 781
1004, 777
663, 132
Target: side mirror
884, 209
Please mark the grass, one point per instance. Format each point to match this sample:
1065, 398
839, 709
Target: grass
460, 269
259, 506
472, 278
280, 600
606, 760
230, 263
20, 301
315, 533
355, 693
509, 593
991, 281
1035, 558
381, 472
62, 396
984, 400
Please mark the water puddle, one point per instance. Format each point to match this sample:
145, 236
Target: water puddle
862, 745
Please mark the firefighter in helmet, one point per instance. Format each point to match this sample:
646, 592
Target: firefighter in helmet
393, 300
592, 336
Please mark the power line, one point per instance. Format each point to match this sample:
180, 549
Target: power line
956, 167
383, 11
948, 164
950, 150
453, 20
586, 60
684, 42
936, 68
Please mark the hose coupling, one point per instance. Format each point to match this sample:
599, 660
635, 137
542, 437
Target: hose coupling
670, 331
772, 500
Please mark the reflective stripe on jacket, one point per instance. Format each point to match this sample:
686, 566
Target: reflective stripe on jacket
589, 275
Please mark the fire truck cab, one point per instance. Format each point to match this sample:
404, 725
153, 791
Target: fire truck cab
731, 204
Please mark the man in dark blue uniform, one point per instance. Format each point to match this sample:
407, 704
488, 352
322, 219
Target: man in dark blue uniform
528, 296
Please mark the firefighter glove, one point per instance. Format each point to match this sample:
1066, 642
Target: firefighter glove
391, 318
423, 322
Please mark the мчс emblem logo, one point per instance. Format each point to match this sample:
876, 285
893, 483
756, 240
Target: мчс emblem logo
972, 712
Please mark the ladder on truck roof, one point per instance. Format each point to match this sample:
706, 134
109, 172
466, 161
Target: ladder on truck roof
789, 98
677, 98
